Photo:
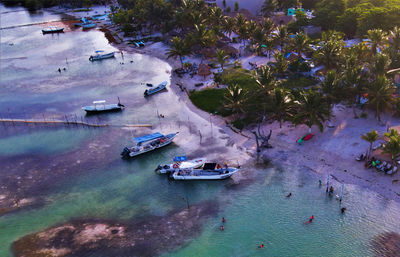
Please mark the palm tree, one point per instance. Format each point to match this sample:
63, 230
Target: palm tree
394, 46
268, 26
268, 7
313, 109
228, 25
392, 147
300, 44
332, 88
281, 37
240, 21
380, 95
259, 39
178, 49
280, 65
235, 99
329, 54
265, 79
377, 37
243, 33
379, 65
392, 133
281, 106
221, 58
370, 137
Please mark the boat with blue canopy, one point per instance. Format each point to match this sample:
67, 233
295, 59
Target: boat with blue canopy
148, 143
208, 171
155, 90
100, 56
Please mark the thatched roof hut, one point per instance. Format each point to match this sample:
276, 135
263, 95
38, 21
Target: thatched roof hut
204, 70
208, 53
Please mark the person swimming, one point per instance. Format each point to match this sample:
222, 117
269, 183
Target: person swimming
343, 210
309, 220
289, 195
222, 228
261, 246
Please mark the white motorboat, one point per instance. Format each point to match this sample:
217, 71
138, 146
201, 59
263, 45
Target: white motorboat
209, 171
180, 162
101, 106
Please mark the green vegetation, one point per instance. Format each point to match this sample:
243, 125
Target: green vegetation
298, 83
82, 10
209, 100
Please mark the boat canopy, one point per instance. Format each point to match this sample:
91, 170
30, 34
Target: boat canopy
99, 51
99, 102
148, 137
209, 166
180, 159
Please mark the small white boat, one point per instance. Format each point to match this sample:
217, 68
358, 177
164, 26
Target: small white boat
180, 163
209, 171
156, 89
101, 106
52, 30
148, 143
99, 56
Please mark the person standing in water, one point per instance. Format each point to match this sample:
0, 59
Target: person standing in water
223, 220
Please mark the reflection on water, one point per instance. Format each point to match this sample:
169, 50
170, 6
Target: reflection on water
78, 173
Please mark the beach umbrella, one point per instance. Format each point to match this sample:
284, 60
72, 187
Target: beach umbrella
204, 70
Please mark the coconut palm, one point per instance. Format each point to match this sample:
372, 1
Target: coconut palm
268, 7
281, 106
240, 21
312, 109
178, 49
259, 39
235, 98
377, 37
280, 65
332, 88
221, 58
391, 133
392, 147
300, 44
329, 54
265, 79
394, 46
243, 33
379, 65
281, 37
228, 25
380, 95
268, 26
370, 137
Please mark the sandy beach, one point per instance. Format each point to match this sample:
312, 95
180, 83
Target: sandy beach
330, 152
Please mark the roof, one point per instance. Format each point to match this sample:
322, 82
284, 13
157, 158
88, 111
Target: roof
99, 102
148, 137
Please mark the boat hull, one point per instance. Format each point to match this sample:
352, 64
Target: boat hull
53, 31
224, 174
156, 90
101, 57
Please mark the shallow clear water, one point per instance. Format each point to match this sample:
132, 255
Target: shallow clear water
108, 187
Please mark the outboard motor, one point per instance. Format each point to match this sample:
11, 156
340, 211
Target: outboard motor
125, 153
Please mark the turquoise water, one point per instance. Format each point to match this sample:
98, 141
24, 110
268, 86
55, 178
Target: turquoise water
98, 184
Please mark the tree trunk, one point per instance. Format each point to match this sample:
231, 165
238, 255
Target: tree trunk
370, 150
180, 58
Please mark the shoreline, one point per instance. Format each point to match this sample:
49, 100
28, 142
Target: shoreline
318, 155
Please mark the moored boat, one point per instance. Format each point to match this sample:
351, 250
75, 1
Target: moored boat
209, 171
88, 25
52, 30
148, 143
155, 90
180, 162
101, 106
98, 56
